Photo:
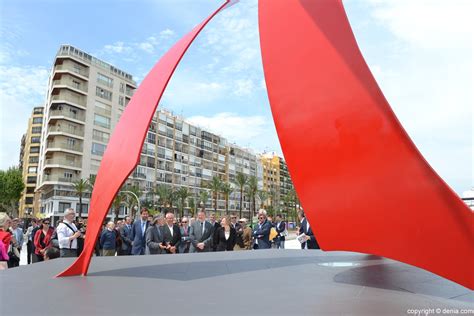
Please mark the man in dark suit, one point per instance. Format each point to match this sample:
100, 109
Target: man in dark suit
155, 237
138, 237
261, 231
126, 236
171, 234
311, 242
215, 224
239, 241
201, 235
280, 227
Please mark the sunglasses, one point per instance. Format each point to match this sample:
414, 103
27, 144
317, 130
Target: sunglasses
184, 222
261, 217
47, 223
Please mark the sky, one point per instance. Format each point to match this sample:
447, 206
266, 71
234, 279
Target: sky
420, 52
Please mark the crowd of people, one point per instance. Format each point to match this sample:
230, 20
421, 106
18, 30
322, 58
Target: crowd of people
160, 234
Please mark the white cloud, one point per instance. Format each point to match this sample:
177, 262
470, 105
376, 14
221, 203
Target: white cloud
117, 47
167, 33
243, 87
424, 68
428, 23
21, 89
255, 132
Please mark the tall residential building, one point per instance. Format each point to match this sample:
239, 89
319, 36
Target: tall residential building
85, 99
180, 154
29, 156
276, 180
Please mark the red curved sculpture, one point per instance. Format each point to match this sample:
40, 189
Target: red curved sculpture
123, 150
364, 184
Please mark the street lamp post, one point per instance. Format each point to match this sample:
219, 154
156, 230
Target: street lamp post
136, 197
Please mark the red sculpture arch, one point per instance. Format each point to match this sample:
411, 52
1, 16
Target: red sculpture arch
364, 184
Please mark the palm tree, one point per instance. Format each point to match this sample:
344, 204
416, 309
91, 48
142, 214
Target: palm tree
252, 188
80, 187
131, 200
215, 187
164, 193
203, 197
227, 190
241, 180
262, 196
182, 194
117, 202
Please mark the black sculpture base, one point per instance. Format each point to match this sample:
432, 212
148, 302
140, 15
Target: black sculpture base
267, 282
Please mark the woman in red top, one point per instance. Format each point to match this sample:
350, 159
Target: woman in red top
5, 239
43, 239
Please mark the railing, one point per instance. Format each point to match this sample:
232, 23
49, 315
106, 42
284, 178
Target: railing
63, 162
70, 67
59, 178
70, 83
64, 145
77, 116
77, 99
79, 131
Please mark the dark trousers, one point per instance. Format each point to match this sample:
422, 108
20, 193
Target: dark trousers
29, 252
68, 253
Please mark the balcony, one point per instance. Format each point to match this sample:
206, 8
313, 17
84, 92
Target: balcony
59, 178
79, 116
63, 162
84, 72
70, 97
82, 87
64, 145
73, 130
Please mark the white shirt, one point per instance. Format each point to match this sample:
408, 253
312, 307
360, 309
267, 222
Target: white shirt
227, 234
171, 230
64, 233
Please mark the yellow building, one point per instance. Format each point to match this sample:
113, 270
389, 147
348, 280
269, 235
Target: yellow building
29, 157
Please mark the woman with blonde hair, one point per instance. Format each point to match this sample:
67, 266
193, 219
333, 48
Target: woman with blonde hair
225, 236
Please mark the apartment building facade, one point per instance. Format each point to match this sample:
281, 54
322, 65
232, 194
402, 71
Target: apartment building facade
29, 158
85, 99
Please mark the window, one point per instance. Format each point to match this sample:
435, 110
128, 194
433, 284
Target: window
35, 140
100, 136
29, 200
104, 94
33, 159
76, 84
103, 108
30, 190
122, 87
63, 206
31, 179
85, 208
68, 176
32, 169
37, 120
100, 120
121, 102
36, 130
103, 79
34, 150
98, 149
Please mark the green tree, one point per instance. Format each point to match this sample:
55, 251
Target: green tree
164, 194
241, 181
262, 196
119, 199
203, 197
11, 187
183, 195
132, 201
252, 189
80, 187
227, 190
215, 187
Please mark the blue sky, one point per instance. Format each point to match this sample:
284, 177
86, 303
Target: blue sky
420, 52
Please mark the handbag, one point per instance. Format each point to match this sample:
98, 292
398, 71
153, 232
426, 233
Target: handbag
13, 253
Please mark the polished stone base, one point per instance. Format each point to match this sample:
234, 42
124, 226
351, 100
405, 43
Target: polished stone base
267, 282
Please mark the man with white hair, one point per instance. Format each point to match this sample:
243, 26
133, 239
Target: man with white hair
67, 235
107, 240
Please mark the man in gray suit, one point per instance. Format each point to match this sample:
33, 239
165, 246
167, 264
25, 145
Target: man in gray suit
201, 234
154, 236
